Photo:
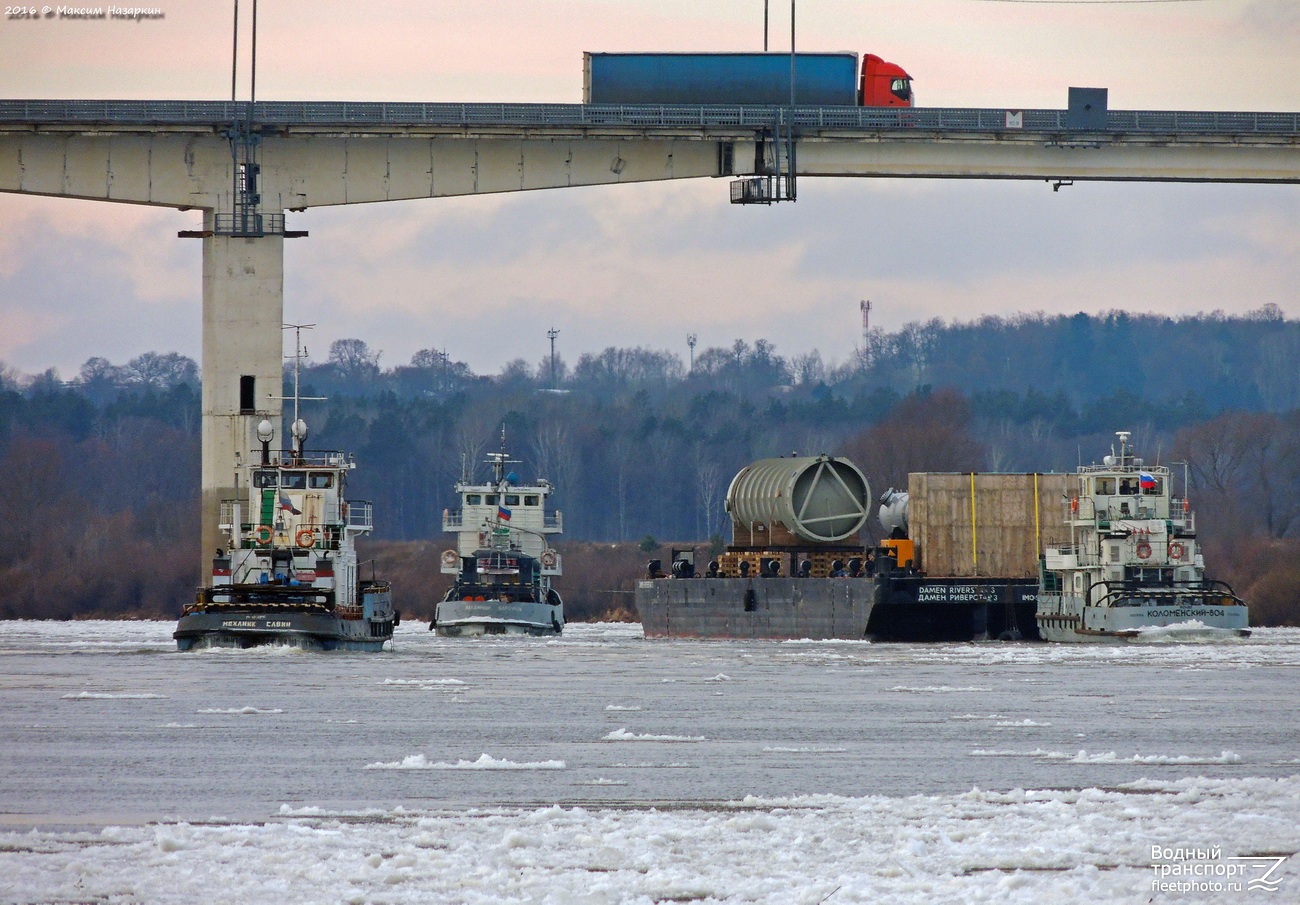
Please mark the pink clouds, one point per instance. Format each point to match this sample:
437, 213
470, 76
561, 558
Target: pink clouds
636, 265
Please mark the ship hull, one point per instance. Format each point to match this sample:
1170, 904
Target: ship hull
465, 618
882, 608
234, 629
236, 625
1068, 619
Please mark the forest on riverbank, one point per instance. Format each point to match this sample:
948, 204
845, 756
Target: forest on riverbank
99, 471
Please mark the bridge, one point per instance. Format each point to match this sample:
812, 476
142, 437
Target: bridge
245, 165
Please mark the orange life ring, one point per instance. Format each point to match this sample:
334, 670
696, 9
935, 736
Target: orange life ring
1074, 505
262, 534
1176, 550
1143, 550
548, 559
450, 558
306, 538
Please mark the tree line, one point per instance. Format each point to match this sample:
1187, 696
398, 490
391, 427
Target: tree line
101, 470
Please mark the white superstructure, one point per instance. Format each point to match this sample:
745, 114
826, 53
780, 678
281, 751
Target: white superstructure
1133, 561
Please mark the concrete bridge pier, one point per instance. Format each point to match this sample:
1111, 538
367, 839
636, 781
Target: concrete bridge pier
243, 362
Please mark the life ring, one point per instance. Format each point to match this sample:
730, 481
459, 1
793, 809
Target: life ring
1074, 505
306, 538
1143, 550
262, 534
548, 559
1176, 550
449, 557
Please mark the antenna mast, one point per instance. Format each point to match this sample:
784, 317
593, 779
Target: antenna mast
690, 341
551, 334
865, 307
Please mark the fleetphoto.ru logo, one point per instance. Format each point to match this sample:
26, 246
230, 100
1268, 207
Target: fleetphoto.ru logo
1206, 870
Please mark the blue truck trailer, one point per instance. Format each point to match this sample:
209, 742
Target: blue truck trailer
820, 79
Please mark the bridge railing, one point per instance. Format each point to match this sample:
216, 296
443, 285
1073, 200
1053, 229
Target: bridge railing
218, 114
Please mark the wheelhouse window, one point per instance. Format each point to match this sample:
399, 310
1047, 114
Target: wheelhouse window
293, 480
473, 499
490, 499
512, 499
264, 478
532, 499
320, 480
1106, 486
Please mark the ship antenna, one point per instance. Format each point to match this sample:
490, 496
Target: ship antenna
298, 429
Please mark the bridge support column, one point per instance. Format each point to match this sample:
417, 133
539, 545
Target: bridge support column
243, 364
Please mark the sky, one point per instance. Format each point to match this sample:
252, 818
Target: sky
484, 278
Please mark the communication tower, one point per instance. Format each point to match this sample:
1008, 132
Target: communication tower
551, 334
865, 307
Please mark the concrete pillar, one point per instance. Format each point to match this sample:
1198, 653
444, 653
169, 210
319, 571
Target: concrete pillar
243, 310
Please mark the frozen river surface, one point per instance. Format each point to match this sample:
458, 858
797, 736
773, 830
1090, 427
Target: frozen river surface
603, 768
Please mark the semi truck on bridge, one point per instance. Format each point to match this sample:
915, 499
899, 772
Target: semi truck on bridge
820, 79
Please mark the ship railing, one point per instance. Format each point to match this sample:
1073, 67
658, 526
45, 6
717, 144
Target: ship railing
303, 535
360, 515
452, 519
1210, 592
553, 522
1083, 557
1182, 518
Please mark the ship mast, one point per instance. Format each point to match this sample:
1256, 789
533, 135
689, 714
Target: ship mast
298, 428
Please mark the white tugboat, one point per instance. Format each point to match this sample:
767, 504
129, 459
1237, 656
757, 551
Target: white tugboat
290, 574
502, 562
1133, 564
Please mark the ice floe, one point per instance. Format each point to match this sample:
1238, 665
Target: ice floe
484, 762
622, 735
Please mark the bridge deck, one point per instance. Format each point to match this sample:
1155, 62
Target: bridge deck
1241, 127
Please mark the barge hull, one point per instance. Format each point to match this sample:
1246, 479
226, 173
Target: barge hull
881, 608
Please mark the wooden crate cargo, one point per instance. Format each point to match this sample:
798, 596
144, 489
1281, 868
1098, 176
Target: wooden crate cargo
999, 535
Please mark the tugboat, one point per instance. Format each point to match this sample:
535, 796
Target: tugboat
290, 576
502, 562
1133, 564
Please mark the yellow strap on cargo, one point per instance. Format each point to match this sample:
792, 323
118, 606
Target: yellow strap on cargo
974, 549
1038, 535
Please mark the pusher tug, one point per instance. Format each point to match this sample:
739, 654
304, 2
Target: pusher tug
290, 575
1133, 567
502, 562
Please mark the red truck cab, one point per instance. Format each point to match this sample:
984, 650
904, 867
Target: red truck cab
884, 84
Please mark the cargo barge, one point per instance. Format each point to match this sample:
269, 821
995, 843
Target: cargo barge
960, 561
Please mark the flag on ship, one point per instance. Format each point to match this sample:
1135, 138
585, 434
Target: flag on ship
1147, 481
503, 513
286, 503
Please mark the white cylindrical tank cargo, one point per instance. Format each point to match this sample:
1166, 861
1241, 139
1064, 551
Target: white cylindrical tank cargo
893, 512
819, 499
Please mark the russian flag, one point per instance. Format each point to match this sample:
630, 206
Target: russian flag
1146, 481
286, 503
503, 513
